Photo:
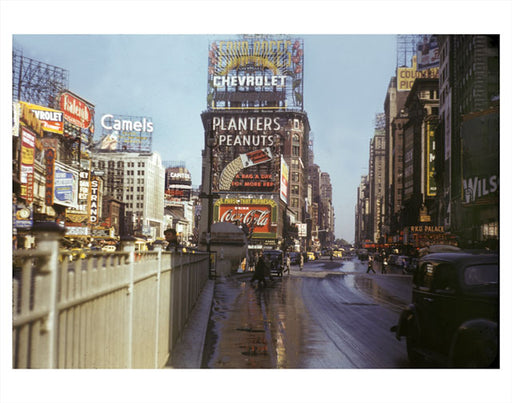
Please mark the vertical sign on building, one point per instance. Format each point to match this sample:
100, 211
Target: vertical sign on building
93, 200
49, 157
285, 173
27, 164
431, 155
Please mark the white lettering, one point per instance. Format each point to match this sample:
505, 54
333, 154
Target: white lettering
475, 188
251, 123
249, 80
126, 125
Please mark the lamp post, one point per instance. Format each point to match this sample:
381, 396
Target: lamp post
210, 196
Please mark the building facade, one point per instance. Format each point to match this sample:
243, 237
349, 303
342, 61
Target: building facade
137, 180
256, 135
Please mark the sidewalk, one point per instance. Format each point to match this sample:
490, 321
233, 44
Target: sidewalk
188, 351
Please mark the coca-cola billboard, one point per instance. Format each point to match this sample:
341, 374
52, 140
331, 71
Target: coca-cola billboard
260, 215
76, 111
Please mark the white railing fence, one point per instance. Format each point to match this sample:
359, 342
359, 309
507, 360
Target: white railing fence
102, 310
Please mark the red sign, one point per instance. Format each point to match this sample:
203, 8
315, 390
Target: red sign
254, 216
75, 110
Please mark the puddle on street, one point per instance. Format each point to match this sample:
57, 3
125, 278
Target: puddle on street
259, 327
370, 286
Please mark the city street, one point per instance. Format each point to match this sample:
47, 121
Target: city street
330, 315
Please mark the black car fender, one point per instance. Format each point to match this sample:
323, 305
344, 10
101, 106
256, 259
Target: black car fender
475, 344
406, 316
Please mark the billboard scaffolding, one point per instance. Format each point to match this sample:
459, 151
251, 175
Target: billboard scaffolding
406, 47
36, 82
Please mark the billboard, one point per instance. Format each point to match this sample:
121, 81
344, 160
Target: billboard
78, 119
407, 75
65, 185
52, 120
260, 215
247, 150
427, 53
256, 72
126, 133
76, 111
178, 184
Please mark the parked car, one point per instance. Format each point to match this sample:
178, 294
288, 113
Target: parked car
453, 318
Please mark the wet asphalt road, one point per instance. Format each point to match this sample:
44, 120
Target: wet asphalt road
330, 315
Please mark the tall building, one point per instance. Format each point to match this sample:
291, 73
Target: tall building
326, 215
256, 132
419, 188
469, 105
137, 180
394, 113
362, 214
377, 172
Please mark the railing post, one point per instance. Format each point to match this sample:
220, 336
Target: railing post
48, 236
158, 246
128, 245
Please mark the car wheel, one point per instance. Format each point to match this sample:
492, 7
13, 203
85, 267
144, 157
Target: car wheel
412, 343
475, 354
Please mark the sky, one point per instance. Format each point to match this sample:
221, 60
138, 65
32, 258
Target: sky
165, 77
345, 86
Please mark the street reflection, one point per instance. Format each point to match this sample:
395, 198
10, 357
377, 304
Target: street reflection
310, 319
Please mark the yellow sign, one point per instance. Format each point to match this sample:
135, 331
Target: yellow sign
406, 75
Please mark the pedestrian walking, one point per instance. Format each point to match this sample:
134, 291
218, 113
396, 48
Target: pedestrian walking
301, 262
370, 264
287, 263
383, 262
260, 271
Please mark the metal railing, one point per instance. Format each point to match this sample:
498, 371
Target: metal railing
101, 310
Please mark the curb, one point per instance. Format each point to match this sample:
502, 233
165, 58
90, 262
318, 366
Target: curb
188, 352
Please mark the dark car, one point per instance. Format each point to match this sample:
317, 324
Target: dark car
294, 257
275, 257
453, 318
362, 254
